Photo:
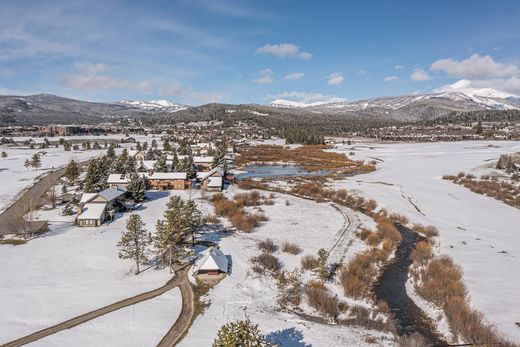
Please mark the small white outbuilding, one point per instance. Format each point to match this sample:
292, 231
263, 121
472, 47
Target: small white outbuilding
212, 262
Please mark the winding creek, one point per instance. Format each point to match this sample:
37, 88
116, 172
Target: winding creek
391, 287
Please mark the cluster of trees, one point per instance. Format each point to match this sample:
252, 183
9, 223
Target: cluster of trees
173, 234
34, 162
306, 136
508, 162
240, 333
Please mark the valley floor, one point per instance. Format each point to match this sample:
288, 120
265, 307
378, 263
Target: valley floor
480, 233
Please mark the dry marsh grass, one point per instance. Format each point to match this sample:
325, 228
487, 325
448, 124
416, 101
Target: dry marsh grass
268, 262
309, 157
267, 246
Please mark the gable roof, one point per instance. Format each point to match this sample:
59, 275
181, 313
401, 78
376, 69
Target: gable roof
118, 178
92, 211
86, 197
111, 193
167, 176
216, 170
212, 259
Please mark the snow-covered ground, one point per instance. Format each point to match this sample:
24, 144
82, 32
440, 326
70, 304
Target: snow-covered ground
13, 171
72, 270
480, 233
310, 225
142, 324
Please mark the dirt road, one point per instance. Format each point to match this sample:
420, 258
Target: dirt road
10, 219
173, 336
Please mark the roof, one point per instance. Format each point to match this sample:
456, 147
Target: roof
198, 159
92, 211
168, 176
86, 197
206, 174
118, 178
111, 193
212, 259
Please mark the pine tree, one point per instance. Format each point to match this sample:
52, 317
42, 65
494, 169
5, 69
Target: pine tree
36, 161
323, 265
97, 173
175, 160
138, 146
4, 154
145, 145
160, 165
167, 146
111, 153
194, 218
479, 127
242, 333
72, 171
136, 187
154, 143
131, 164
135, 242
174, 229
26, 163
66, 146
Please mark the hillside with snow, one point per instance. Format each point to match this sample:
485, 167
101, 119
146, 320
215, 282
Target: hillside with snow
154, 105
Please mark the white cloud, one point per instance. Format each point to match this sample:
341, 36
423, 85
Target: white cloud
391, 78
265, 77
362, 72
335, 78
307, 98
398, 67
475, 67
173, 89
93, 77
419, 75
284, 50
294, 76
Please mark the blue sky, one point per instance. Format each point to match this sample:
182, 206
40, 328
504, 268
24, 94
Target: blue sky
198, 51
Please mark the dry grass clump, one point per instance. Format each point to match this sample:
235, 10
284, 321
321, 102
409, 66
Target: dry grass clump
267, 245
358, 277
249, 183
398, 218
291, 248
322, 300
310, 262
239, 218
429, 231
360, 316
507, 192
441, 283
246, 222
253, 198
422, 252
268, 262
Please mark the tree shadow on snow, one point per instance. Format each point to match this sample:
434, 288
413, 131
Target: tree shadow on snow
152, 195
287, 338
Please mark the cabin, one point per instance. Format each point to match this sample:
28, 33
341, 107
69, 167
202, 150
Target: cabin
167, 180
96, 208
203, 162
212, 262
212, 180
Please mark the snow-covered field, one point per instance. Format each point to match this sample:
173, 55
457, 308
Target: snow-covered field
481, 234
73, 270
310, 225
142, 324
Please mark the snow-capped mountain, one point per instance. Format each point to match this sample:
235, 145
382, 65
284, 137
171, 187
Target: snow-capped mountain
458, 97
154, 105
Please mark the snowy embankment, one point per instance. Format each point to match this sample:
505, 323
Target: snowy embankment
311, 226
72, 270
480, 233
142, 324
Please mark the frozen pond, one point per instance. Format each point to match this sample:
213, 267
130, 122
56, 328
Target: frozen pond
273, 171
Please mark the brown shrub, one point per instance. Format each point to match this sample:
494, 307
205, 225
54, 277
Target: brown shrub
309, 262
291, 248
422, 252
388, 229
358, 276
267, 245
246, 222
268, 262
324, 302
225, 208
399, 218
